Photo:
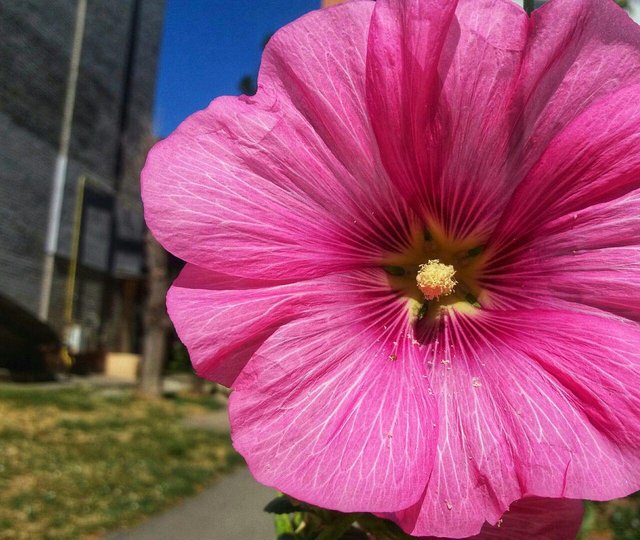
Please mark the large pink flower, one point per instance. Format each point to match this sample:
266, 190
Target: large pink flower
415, 257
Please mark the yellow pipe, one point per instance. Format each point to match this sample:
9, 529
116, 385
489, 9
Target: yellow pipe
75, 249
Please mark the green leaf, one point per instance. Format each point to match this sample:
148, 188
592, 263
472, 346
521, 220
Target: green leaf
283, 525
281, 505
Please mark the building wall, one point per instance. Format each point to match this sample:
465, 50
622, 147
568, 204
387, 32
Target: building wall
113, 104
25, 164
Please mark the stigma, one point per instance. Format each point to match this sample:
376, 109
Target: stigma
435, 279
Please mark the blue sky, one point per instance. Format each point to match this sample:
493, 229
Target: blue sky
208, 45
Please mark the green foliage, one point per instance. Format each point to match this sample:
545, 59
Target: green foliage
295, 520
614, 520
281, 505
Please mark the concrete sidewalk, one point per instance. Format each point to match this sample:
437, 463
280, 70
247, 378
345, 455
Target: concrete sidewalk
230, 510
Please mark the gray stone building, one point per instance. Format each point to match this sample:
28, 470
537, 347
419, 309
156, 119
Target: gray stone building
107, 103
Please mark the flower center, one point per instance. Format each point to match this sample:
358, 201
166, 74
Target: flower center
448, 280
435, 279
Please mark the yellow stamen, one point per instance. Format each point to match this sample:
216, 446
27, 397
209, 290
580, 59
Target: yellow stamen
435, 279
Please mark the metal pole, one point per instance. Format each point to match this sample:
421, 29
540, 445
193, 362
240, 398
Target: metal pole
62, 159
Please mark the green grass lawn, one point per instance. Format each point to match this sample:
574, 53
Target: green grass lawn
75, 463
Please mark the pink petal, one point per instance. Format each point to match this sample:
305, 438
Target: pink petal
587, 259
334, 409
223, 320
531, 403
534, 518
579, 52
405, 42
613, 223
607, 279
439, 94
594, 159
286, 184
570, 233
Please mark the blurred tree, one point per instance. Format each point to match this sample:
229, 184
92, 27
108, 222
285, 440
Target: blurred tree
156, 321
247, 85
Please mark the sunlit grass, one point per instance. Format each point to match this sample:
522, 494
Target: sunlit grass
78, 462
